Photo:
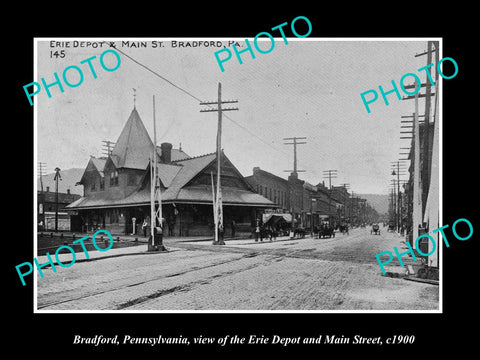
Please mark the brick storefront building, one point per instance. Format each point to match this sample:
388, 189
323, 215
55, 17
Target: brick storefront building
306, 203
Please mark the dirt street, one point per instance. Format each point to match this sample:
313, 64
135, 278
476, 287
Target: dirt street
302, 274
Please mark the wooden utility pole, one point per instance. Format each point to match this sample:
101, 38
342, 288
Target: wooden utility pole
295, 143
217, 201
345, 186
294, 176
399, 171
41, 198
350, 209
56, 178
426, 131
107, 147
41, 167
155, 196
330, 174
432, 46
417, 198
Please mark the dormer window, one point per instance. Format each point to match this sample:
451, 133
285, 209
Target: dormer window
114, 178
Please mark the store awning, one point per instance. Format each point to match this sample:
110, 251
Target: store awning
277, 217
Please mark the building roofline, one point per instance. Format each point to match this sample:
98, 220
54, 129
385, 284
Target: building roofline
268, 174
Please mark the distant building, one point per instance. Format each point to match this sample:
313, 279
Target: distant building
306, 202
271, 186
342, 197
117, 188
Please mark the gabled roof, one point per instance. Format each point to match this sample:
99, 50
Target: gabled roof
168, 172
178, 173
94, 164
99, 164
189, 169
134, 146
175, 177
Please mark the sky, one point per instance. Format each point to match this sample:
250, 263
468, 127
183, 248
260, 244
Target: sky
307, 88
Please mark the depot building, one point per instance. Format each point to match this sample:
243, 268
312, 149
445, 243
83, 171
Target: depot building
117, 189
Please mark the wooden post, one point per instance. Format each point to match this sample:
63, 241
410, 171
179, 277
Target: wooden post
218, 198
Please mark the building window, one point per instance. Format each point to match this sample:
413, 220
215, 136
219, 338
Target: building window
93, 186
114, 178
102, 183
261, 190
270, 194
275, 196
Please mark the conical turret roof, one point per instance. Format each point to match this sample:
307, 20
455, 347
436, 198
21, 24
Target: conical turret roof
134, 146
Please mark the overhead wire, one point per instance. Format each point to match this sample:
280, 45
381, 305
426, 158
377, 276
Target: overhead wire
192, 96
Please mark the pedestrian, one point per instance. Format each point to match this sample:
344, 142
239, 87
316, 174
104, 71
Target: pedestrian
270, 233
171, 226
144, 228
233, 225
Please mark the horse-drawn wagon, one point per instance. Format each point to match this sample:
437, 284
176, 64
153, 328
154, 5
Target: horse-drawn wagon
375, 229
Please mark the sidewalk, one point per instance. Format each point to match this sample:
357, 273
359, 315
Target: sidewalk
78, 235
142, 239
66, 258
131, 238
142, 248
139, 247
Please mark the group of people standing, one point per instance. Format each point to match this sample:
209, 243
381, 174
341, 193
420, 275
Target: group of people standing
263, 231
169, 225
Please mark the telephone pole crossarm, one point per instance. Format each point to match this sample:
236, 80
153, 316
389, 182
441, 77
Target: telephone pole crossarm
215, 110
295, 143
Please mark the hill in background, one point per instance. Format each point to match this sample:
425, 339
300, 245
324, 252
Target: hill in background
378, 201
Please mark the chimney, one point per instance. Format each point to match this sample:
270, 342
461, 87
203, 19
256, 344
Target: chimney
293, 176
68, 191
166, 153
256, 169
48, 188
